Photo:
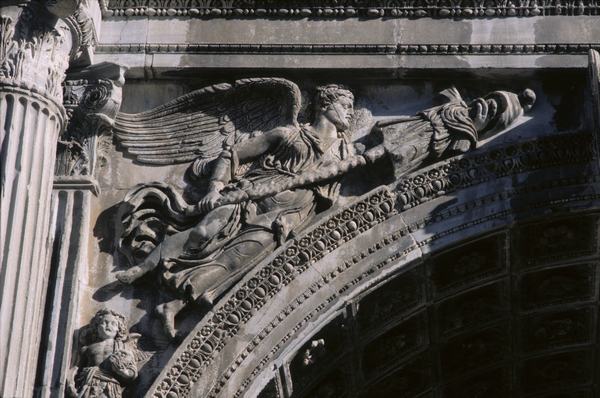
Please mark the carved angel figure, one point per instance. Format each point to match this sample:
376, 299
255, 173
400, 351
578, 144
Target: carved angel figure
108, 358
247, 136
269, 175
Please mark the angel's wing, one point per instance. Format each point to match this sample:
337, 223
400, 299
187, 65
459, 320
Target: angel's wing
449, 95
196, 124
133, 341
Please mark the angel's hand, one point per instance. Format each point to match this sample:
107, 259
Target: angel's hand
210, 201
123, 363
480, 118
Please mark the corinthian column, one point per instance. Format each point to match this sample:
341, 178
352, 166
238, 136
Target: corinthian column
35, 48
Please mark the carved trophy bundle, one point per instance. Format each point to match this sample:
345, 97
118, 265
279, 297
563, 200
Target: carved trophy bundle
265, 175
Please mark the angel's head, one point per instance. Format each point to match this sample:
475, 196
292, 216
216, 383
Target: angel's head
336, 104
108, 324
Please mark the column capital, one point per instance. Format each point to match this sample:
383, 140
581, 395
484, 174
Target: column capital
92, 98
41, 40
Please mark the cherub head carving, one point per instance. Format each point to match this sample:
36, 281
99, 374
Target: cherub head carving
336, 104
108, 324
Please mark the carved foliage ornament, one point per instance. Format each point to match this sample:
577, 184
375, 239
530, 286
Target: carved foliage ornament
33, 54
91, 105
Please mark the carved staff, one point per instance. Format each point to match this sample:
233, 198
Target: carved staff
324, 173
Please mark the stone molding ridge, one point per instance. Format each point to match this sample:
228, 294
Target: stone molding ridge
388, 262
203, 345
76, 182
331, 9
475, 168
384, 49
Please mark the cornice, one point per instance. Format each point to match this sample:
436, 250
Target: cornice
385, 49
335, 9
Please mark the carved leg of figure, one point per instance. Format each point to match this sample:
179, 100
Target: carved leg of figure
137, 271
167, 312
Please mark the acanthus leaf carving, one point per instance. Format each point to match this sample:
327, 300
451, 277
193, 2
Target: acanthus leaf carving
36, 48
92, 98
33, 54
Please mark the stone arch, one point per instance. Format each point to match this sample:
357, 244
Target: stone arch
277, 322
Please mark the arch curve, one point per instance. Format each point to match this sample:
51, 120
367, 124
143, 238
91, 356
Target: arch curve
480, 228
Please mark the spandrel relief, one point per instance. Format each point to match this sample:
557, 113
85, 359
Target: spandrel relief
262, 176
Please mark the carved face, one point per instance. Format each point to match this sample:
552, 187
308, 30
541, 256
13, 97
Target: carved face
340, 112
108, 327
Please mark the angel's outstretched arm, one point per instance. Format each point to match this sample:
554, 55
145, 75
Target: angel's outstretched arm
243, 152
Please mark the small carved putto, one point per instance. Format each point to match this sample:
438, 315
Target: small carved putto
108, 358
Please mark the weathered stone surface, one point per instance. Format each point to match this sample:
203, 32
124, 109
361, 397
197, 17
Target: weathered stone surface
33, 60
34, 55
459, 256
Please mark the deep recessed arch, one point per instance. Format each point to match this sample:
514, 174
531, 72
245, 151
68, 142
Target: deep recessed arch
277, 323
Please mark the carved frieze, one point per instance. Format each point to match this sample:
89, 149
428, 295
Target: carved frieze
230, 315
243, 119
214, 130
267, 177
467, 170
497, 49
331, 9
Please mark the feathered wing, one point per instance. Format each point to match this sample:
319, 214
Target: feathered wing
194, 126
450, 94
133, 343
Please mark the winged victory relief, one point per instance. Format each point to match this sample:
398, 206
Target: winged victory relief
265, 174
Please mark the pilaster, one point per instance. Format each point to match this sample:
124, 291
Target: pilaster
92, 99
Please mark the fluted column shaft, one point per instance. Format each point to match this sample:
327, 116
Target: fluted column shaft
34, 55
31, 125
